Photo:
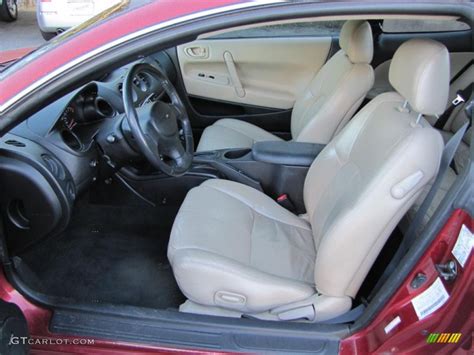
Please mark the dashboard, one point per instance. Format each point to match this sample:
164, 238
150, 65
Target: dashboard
102, 100
51, 157
78, 122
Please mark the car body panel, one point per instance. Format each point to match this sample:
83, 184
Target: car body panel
15, 54
408, 334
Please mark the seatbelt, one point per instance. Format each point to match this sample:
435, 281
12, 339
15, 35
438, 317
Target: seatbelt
347, 317
448, 155
461, 72
461, 97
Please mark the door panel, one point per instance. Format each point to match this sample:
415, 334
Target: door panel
204, 112
267, 72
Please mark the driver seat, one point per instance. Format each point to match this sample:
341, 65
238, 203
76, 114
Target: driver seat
234, 251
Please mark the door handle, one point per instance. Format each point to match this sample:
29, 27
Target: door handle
234, 76
197, 52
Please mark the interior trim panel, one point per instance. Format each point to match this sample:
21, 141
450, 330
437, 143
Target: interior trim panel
268, 72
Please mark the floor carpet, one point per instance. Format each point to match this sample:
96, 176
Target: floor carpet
111, 254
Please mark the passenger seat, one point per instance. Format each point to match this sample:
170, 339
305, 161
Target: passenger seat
324, 108
461, 158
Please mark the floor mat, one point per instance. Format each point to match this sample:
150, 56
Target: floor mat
110, 254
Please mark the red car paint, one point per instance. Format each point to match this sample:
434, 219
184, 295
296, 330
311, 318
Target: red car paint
456, 316
8, 56
132, 21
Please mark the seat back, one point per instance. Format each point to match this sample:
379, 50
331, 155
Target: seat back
338, 89
368, 176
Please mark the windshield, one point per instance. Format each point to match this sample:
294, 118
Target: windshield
121, 6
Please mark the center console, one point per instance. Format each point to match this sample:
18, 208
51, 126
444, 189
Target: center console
275, 168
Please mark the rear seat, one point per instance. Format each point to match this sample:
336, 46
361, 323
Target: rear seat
457, 118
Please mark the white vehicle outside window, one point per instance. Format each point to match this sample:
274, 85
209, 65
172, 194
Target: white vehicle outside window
55, 16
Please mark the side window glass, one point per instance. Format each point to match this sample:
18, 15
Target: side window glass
413, 26
300, 29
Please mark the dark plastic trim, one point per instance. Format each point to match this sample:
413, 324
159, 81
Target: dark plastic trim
198, 332
288, 153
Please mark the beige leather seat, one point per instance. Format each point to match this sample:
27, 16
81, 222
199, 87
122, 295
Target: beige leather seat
461, 158
235, 251
324, 108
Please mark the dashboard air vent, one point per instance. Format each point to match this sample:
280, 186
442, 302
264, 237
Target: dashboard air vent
15, 143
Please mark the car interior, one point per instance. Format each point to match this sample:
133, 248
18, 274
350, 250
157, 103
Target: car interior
267, 171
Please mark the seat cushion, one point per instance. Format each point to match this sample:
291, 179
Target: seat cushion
231, 133
234, 247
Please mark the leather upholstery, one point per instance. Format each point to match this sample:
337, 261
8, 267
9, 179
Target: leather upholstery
241, 242
330, 100
461, 161
324, 107
419, 75
233, 247
457, 118
351, 191
229, 133
461, 157
457, 61
356, 41
381, 83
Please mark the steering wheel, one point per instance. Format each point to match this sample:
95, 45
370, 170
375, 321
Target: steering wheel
154, 125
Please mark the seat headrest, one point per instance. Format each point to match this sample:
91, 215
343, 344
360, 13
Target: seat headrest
356, 41
420, 73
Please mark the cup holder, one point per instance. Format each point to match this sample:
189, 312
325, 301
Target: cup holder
236, 153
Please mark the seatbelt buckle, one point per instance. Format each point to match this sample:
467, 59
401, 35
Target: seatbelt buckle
284, 201
458, 99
